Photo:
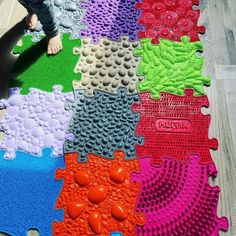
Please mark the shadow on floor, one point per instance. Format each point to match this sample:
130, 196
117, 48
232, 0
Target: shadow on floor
7, 60
29, 56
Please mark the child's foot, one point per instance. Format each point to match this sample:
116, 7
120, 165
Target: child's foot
54, 44
31, 21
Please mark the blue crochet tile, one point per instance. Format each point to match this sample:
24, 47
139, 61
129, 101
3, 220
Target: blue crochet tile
102, 124
28, 193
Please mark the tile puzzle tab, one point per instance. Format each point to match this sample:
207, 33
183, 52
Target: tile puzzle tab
177, 199
98, 196
171, 67
111, 19
174, 127
102, 123
29, 192
169, 19
35, 69
107, 66
34, 121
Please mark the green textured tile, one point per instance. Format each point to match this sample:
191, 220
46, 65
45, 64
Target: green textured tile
35, 69
171, 67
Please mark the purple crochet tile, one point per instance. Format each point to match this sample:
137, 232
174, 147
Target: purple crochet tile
111, 19
34, 121
178, 199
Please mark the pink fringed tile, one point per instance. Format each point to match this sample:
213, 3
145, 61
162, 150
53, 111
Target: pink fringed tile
178, 199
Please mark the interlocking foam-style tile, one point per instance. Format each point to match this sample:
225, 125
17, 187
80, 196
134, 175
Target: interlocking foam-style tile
112, 19
33, 121
174, 127
169, 19
98, 196
107, 66
29, 192
178, 199
69, 15
171, 67
102, 124
36, 69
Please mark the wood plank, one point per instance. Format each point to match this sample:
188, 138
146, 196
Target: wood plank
6, 13
219, 45
227, 72
18, 14
11, 12
224, 157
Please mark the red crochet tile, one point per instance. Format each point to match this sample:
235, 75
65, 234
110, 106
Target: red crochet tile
98, 196
169, 19
178, 200
174, 127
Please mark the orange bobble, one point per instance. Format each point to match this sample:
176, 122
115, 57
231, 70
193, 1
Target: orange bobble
118, 174
118, 212
95, 222
97, 194
82, 178
75, 209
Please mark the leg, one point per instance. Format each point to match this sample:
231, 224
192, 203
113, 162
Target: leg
31, 18
22, 2
45, 12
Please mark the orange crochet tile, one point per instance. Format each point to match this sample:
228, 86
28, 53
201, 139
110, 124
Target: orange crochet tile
98, 196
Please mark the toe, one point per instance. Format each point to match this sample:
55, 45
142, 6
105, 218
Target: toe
57, 49
50, 51
54, 50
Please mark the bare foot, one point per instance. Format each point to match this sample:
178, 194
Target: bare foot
54, 45
31, 21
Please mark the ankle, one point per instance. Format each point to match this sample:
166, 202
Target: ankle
50, 36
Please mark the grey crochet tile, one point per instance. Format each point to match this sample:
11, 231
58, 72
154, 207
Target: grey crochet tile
69, 17
102, 124
107, 66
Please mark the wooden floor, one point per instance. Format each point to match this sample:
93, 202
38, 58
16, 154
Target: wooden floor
219, 17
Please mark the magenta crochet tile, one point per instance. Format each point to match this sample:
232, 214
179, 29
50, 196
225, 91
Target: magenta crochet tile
111, 19
178, 199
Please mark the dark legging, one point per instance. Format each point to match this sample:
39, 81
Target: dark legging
45, 13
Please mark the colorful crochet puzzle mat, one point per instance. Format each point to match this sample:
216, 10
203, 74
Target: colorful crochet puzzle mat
108, 137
